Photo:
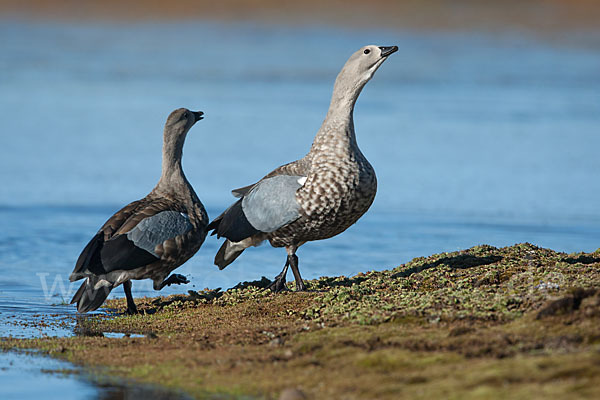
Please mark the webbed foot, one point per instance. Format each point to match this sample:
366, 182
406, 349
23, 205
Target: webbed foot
278, 284
174, 279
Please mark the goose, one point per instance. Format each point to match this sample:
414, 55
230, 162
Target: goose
316, 197
150, 237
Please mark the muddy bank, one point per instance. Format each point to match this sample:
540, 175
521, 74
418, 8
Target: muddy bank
536, 15
520, 321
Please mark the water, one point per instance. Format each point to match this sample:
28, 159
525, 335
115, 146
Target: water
56, 379
475, 139
17, 370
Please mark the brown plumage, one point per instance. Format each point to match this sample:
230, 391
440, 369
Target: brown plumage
150, 237
316, 197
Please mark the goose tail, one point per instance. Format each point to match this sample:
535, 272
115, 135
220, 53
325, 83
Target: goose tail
228, 252
91, 294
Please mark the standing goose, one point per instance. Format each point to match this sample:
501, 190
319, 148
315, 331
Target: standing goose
316, 197
150, 237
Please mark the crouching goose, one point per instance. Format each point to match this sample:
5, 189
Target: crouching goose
150, 237
316, 197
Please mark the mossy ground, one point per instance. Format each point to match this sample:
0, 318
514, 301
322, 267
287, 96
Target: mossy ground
518, 322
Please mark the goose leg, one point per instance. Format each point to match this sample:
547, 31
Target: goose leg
131, 308
174, 279
293, 260
278, 284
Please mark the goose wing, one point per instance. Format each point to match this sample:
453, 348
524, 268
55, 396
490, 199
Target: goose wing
299, 168
132, 238
265, 207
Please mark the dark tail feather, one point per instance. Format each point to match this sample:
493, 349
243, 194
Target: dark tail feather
214, 225
88, 298
228, 253
233, 224
89, 259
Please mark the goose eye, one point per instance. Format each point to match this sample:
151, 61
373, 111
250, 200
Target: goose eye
185, 115
367, 51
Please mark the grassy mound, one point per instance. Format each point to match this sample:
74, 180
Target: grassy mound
520, 321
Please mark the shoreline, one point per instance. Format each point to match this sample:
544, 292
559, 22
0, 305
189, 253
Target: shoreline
519, 320
544, 17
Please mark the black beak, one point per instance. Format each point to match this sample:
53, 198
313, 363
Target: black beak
386, 51
198, 115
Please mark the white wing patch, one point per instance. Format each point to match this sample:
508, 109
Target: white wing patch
302, 181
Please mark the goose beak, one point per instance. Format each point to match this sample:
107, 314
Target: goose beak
198, 115
386, 51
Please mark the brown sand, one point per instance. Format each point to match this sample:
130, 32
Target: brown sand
531, 15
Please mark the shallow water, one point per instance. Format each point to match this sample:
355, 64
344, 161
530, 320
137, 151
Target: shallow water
475, 139
18, 369
56, 379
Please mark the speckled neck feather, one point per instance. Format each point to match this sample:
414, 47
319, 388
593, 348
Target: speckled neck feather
338, 126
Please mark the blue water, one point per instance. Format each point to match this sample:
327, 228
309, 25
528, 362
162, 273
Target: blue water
26, 375
476, 138
21, 377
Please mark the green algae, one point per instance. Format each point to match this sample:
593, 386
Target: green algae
518, 322
481, 283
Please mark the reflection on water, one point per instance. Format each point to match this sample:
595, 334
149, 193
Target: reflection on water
18, 370
475, 139
55, 379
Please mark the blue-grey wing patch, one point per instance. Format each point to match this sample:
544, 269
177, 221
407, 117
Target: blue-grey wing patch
272, 203
154, 230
